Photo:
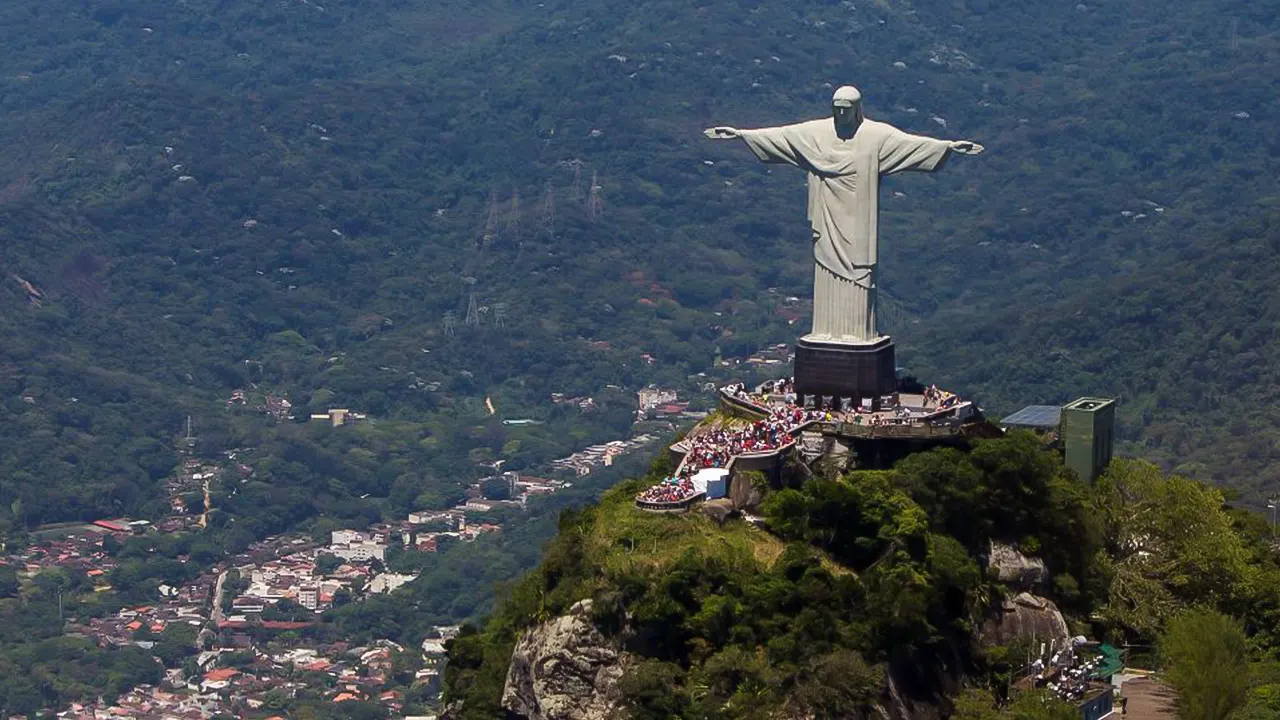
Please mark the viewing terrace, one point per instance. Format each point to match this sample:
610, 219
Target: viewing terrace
762, 424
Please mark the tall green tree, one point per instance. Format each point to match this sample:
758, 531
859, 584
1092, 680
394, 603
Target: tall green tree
1207, 664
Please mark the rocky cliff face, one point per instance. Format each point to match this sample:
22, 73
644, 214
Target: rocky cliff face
1026, 617
564, 669
1010, 567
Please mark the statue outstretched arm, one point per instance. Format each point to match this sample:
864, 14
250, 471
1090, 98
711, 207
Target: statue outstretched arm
788, 144
966, 147
723, 132
904, 152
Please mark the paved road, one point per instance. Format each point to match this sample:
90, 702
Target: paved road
1150, 700
216, 613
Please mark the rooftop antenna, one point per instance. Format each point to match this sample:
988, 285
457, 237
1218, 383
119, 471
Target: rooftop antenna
450, 322
548, 222
595, 208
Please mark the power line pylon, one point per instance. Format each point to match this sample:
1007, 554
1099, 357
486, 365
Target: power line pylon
450, 322
512, 229
595, 206
547, 223
575, 190
491, 222
473, 311
500, 315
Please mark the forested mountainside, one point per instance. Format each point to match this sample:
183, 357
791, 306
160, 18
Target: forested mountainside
1186, 342
294, 197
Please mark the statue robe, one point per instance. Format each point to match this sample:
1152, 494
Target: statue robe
844, 209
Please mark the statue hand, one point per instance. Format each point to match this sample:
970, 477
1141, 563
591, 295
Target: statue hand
723, 132
966, 147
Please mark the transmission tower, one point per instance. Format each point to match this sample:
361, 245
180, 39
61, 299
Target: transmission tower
548, 215
450, 322
491, 221
1234, 43
473, 311
191, 435
575, 190
512, 230
595, 207
500, 315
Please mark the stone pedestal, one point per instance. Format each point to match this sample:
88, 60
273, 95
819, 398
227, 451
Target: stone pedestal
844, 373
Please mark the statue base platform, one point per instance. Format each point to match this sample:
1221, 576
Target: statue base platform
842, 374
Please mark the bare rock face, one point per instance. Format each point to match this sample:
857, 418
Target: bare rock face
743, 494
720, 509
564, 669
1008, 566
1026, 617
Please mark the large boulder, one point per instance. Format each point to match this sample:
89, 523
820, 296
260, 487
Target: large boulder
743, 491
565, 669
720, 510
1006, 565
1025, 617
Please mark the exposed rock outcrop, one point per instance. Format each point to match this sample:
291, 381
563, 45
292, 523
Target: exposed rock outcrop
1025, 617
565, 669
720, 509
743, 492
1006, 565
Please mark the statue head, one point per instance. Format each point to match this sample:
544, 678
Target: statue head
846, 108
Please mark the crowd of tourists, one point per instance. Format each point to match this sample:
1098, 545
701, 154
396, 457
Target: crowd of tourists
715, 448
940, 399
672, 490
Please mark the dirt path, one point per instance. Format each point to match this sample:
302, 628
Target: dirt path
208, 505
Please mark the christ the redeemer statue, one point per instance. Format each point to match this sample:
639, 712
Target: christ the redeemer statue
845, 357
845, 157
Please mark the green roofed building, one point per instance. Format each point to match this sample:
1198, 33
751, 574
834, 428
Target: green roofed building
1087, 427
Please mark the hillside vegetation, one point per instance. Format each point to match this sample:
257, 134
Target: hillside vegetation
872, 574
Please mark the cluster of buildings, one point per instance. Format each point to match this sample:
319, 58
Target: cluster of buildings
297, 574
661, 404
78, 549
266, 679
585, 404
602, 455
185, 605
779, 355
275, 406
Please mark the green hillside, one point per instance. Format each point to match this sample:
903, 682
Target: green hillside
871, 575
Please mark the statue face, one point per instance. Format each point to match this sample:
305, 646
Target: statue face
846, 108
847, 117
